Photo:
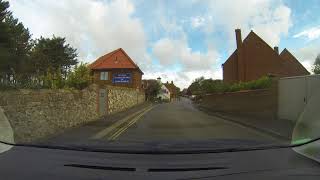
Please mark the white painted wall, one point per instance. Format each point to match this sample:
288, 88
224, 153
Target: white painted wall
164, 93
294, 94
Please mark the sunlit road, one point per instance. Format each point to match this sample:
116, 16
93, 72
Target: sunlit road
181, 120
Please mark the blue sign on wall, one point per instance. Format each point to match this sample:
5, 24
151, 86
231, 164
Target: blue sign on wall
121, 78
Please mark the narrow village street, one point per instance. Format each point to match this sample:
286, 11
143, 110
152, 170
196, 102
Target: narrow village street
181, 120
178, 121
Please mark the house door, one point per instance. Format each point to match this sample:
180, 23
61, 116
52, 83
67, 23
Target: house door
102, 101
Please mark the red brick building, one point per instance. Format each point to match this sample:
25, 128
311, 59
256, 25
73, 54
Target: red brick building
254, 58
174, 90
118, 69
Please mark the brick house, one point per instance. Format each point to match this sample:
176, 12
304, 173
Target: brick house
117, 69
254, 58
174, 90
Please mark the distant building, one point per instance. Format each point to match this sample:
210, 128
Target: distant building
118, 69
168, 90
164, 92
174, 90
254, 58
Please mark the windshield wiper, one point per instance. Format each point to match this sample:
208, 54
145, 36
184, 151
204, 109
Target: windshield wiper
159, 151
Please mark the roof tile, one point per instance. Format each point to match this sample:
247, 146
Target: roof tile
111, 61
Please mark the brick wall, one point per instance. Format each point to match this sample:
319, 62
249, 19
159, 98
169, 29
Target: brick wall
254, 103
230, 69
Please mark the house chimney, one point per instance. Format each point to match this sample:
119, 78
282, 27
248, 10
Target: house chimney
276, 49
171, 82
240, 64
238, 38
159, 80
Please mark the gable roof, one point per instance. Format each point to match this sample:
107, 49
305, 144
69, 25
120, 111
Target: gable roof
256, 37
287, 56
110, 61
251, 35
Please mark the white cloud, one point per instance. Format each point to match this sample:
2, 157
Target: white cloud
171, 51
194, 64
197, 21
204, 23
269, 18
311, 34
93, 27
307, 55
183, 79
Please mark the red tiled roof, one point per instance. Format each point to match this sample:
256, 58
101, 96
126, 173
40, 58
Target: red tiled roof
110, 61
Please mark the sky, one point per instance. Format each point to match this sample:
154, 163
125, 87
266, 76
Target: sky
176, 40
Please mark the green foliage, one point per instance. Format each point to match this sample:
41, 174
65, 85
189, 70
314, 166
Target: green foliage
27, 63
24, 62
53, 79
54, 53
316, 65
205, 86
153, 89
195, 87
80, 77
15, 44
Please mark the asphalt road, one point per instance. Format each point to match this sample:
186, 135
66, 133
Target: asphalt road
177, 121
181, 120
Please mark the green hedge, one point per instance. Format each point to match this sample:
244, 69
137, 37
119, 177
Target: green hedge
205, 86
262, 83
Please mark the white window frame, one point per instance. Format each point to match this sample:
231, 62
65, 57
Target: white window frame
104, 75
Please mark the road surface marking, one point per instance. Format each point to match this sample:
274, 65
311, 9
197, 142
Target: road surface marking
107, 130
134, 120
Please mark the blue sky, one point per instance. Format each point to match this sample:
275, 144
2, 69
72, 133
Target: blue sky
176, 40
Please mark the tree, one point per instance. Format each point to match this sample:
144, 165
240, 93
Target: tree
153, 89
4, 37
53, 53
80, 77
195, 87
20, 45
316, 65
14, 44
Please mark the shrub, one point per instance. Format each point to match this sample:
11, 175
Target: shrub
80, 77
53, 80
203, 86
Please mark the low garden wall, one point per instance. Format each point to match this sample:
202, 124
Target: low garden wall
35, 114
121, 98
261, 104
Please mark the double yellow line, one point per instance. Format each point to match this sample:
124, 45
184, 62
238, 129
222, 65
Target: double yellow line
124, 128
118, 124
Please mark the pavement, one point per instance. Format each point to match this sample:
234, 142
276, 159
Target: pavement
166, 122
280, 128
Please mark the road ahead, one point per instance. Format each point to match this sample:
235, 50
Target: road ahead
166, 122
181, 120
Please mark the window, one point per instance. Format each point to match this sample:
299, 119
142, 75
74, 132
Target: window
104, 76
